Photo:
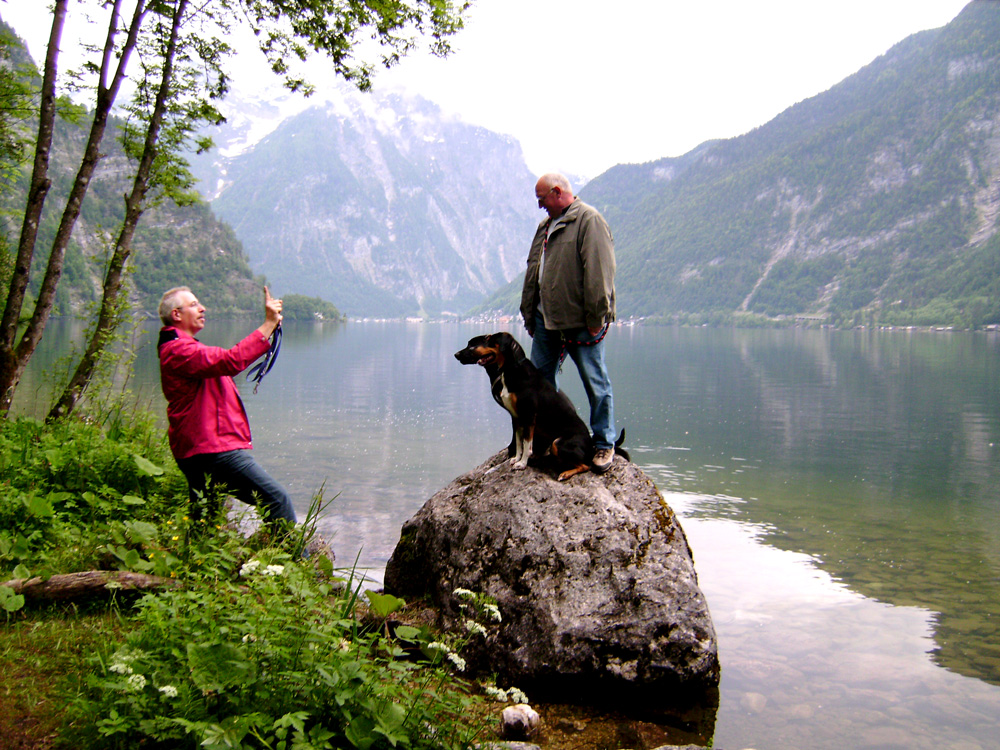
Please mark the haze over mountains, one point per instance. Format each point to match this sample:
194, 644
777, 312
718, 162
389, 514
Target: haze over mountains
876, 201
380, 204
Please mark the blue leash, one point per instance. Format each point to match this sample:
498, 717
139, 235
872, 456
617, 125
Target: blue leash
262, 368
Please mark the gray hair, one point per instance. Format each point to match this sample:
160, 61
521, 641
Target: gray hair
168, 303
554, 179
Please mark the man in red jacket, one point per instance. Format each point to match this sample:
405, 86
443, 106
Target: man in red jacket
209, 432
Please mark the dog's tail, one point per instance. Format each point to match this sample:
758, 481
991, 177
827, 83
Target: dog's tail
618, 446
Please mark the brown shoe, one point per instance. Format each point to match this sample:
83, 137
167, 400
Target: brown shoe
602, 460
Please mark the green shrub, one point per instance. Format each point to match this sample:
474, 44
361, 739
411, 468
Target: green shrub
274, 657
255, 647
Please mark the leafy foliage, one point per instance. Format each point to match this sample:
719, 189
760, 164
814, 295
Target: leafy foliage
264, 658
66, 489
175, 245
257, 648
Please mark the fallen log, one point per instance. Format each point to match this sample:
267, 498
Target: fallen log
87, 583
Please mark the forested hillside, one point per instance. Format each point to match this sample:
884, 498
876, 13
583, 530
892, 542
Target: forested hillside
174, 245
874, 202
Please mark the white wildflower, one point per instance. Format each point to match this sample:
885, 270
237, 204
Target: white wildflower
438, 646
121, 661
249, 638
344, 645
493, 611
457, 660
128, 655
474, 627
465, 593
496, 693
274, 570
249, 567
516, 695
169, 691
136, 682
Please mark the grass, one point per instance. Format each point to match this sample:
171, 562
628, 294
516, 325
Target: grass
42, 652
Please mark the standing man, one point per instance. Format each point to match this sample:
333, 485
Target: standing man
209, 433
568, 300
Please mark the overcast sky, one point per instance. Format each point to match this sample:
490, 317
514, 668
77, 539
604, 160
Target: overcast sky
587, 84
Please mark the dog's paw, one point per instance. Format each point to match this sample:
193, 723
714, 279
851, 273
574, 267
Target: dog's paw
518, 465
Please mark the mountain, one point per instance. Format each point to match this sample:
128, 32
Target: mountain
378, 203
173, 245
876, 198
876, 201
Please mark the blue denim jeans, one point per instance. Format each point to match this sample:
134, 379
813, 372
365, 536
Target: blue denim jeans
547, 345
237, 473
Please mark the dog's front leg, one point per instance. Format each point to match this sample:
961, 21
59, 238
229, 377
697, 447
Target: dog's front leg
519, 449
524, 447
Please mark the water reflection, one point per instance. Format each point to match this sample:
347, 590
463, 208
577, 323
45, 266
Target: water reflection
874, 454
809, 663
840, 490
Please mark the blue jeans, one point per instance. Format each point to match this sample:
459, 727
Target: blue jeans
236, 473
547, 345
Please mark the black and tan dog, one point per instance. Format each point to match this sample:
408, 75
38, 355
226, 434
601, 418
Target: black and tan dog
543, 419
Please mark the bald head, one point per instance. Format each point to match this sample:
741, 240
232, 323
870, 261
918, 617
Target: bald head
554, 193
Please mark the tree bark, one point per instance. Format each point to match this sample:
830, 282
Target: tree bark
107, 319
88, 583
13, 359
10, 368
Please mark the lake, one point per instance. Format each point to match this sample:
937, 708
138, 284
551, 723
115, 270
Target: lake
840, 491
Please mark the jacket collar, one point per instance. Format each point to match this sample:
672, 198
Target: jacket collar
169, 333
568, 216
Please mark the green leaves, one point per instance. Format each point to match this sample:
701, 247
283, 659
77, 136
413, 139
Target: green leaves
383, 605
409, 633
292, 29
130, 559
38, 506
262, 659
278, 657
217, 666
146, 466
140, 532
9, 601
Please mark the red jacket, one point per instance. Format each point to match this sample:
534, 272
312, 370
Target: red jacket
204, 409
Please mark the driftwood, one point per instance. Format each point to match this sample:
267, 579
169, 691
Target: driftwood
87, 583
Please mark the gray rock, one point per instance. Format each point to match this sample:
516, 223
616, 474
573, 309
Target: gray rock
519, 722
593, 576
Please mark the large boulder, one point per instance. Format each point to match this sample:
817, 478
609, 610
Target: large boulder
594, 579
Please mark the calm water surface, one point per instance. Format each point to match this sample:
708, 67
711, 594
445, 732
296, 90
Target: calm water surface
840, 491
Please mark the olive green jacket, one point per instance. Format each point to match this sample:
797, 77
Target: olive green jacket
578, 278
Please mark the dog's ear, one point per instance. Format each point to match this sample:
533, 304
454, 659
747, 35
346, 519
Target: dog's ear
517, 350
